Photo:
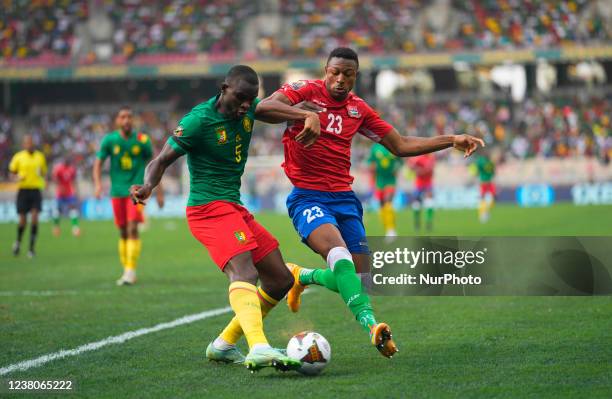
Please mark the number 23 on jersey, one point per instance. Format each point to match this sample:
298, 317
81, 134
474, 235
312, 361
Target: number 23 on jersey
334, 123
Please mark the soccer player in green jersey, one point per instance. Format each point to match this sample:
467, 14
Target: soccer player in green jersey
215, 136
384, 166
486, 171
129, 153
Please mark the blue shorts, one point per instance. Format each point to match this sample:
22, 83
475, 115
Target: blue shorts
309, 209
65, 204
419, 194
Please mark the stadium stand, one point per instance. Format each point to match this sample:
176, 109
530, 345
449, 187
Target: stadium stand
54, 32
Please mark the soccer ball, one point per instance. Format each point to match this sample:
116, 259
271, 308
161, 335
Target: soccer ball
312, 349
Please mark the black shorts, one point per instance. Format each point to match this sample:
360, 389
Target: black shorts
28, 199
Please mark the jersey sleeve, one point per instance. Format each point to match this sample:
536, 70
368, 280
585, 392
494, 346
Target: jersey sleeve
297, 92
374, 127
251, 111
185, 135
147, 146
14, 165
104, 150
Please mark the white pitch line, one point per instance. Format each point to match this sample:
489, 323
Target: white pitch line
47, 293
117, 339
40, 293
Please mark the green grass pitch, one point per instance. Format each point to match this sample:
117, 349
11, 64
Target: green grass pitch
449, 346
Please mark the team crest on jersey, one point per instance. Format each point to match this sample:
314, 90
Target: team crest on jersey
116, 149
135, 149
240, 236
247, 124
353, 112
143, 138
221, 135
178, 132
298, 85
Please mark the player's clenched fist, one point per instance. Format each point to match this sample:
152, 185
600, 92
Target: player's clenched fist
311, 131
140, 193
466, 143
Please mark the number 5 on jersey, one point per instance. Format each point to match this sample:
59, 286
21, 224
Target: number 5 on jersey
312, 213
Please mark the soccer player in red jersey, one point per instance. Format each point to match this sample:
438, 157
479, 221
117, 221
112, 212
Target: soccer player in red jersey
325, 211
64, 175
215, 136
423, 167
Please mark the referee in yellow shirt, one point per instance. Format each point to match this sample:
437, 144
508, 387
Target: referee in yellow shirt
30, 168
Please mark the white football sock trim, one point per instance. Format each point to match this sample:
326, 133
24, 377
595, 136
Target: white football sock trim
257, 347
336, 254
221, 344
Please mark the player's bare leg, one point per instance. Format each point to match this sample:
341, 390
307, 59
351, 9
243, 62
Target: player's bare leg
245, 302
33, 232
275, 282
327, 241
20, 229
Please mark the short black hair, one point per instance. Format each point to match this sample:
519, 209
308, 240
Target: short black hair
344, 52
243, 72
124, 107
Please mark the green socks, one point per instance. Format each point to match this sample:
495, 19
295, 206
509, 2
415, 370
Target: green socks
343, 279
349, 286
323, 277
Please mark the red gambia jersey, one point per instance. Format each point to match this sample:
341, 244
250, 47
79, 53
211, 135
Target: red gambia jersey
423, 166
64, 175
325, 166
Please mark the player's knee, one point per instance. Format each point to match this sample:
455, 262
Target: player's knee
123, 232
239, 268
286, 284
132, 231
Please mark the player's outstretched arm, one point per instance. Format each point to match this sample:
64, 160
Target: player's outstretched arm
153, 174
406, 146
97, 178
277, 109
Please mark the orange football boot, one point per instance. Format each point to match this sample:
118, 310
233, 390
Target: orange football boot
382, 339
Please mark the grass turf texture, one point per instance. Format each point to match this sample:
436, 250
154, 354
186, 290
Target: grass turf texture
450, 346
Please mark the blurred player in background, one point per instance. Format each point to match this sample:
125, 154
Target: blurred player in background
129, 153
215, 136
64, 175
325, 211
30, 168
423, 167
384, 166
486, 171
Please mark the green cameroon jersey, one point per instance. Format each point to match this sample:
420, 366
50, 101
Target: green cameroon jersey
128, 158
485, 168
217, 148
386, 165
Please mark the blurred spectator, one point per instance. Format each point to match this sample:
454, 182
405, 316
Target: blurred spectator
559, 127
35, 28
178, 26
39, 28
78, 135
